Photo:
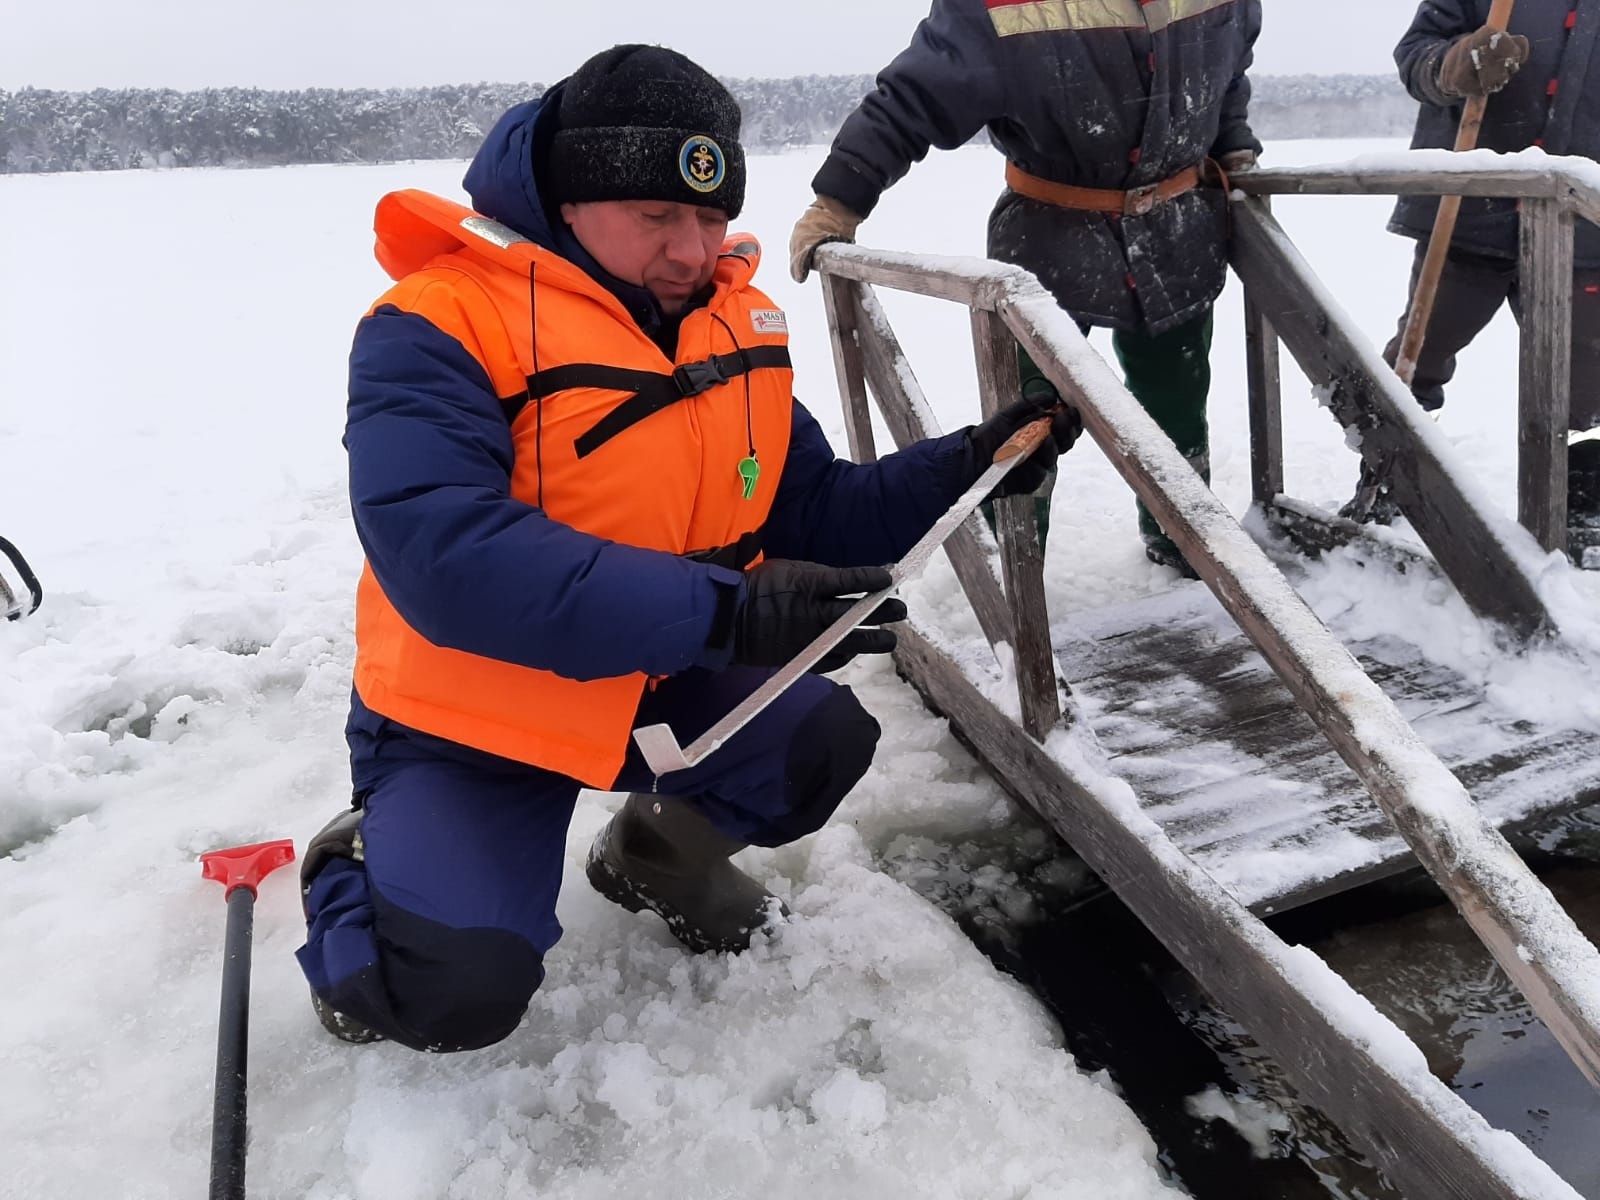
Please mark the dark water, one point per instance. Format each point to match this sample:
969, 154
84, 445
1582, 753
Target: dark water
1124, 1005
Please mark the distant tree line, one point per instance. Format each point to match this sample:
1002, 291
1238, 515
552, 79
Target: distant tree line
1331, 106
111, 130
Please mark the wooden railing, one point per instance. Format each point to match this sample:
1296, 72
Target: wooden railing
1552, 195
1527, 931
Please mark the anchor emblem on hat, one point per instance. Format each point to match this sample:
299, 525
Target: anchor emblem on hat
701, 162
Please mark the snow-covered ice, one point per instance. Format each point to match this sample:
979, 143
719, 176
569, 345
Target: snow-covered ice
172, 354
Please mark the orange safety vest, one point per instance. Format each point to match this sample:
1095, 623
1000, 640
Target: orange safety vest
605, 439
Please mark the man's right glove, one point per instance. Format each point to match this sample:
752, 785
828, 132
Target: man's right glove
787, 604
1481, 63
1026, 477
827, 220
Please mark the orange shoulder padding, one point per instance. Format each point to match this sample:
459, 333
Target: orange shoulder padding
415, 227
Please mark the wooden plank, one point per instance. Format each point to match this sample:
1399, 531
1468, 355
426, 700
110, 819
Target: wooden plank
1335, 180
1244, 782
1215, 688
1265, 399
1474, 546
1406, 1122
967, 281
1271, 812
1315, 531
909, 419
1553, 964
1545, 379
839, 303
1021, 558
1191, 678
1582, 197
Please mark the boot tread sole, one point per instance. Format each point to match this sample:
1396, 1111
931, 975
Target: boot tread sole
619, 889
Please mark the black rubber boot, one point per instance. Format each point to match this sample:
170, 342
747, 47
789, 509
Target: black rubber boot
1583, 482
339, 838
1158, 547
1583, 503
1164, 552
1373, 503
659, 853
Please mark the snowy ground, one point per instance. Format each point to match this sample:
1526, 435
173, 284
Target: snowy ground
171, 372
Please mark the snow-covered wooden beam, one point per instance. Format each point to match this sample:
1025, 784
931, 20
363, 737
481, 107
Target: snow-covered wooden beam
1555, 191
1544, 376
1494, 562
1021, 556
1531, 936
1530, 173
1340, 1053
866, 351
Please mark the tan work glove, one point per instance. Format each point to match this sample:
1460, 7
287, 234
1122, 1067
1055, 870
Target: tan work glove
1481, 63
827, 220
1235, 161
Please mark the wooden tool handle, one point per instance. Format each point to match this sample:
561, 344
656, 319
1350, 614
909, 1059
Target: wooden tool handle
1025, 440
1444, 226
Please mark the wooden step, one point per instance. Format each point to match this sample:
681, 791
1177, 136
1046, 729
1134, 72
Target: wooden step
1225, 761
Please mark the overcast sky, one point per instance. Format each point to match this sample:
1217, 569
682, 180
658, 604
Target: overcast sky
397, 43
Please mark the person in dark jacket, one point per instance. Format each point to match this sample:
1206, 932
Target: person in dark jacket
1107, 114
1542, 77
589, 501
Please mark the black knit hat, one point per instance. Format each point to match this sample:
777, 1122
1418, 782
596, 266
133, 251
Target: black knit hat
645, 123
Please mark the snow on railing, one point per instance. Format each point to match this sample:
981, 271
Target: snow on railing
1527, 173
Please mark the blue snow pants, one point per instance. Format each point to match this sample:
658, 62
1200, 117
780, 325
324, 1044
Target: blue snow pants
436, 940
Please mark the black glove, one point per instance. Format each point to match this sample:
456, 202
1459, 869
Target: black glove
1026, 477
787, 604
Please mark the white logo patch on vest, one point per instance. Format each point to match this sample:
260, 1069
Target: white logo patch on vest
769, 320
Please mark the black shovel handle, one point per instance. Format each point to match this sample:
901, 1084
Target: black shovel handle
240, 870
29, 581
233, 1045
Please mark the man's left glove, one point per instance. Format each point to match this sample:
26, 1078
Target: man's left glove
1027, 477
827, 220
1235, 161
787, 604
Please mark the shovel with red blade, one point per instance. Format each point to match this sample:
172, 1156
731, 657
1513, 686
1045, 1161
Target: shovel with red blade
239, 870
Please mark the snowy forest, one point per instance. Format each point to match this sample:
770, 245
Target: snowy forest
109, 130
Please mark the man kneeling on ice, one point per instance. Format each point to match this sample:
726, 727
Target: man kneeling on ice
589, 501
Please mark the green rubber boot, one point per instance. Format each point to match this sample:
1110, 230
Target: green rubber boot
1169, 375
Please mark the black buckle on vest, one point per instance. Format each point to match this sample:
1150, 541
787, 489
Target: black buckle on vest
694, 378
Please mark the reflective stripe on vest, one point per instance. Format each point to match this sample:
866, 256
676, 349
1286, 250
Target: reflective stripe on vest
1014, 17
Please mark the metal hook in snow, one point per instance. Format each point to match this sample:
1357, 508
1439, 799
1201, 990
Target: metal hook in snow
12, 604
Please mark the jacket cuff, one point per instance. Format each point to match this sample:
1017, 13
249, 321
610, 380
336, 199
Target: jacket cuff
717, 653
1426, 75
1237, 136
955, 460
847, 185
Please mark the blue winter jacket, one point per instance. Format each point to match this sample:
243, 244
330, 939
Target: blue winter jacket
1552, 102
475, 570
1112, 94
